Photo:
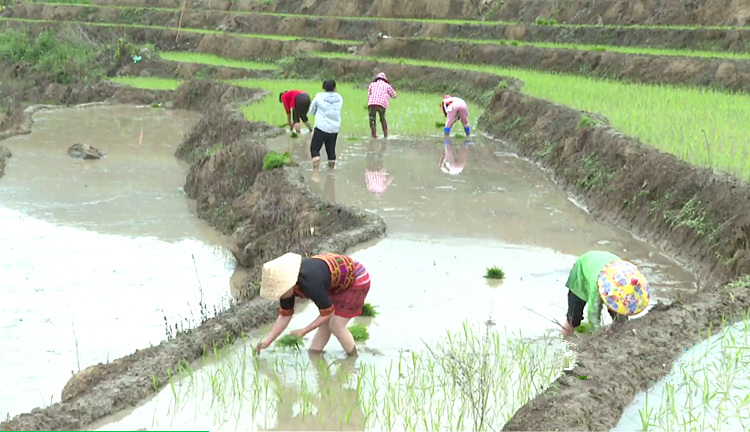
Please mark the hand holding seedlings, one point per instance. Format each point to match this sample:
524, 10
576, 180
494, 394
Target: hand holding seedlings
261, 346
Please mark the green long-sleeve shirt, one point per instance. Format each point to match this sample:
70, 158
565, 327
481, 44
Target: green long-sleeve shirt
582, 281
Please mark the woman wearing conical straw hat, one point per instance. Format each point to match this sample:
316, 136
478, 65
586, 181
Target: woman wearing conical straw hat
602, 278
337, 284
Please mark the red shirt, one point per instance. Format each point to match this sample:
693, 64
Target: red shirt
288, 99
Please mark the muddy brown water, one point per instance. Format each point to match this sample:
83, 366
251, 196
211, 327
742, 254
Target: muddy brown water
95, 254
444, 230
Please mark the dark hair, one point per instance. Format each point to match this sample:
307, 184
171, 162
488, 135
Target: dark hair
380, 79
281, 94
329, 85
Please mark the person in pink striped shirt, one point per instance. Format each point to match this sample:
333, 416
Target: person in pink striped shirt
378, 95
455, 108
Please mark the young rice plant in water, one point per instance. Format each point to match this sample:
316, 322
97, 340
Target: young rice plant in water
368, 310
469, 380
276, 160
495, 273
359, 332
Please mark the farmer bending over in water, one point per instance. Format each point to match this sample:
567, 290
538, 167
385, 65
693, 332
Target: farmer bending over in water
378, 94
454, 109
599, 278
326, 107
296, 103
337, 284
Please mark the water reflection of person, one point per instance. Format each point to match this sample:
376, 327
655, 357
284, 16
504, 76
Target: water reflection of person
338, 407
451, 164
376, 177
328, 191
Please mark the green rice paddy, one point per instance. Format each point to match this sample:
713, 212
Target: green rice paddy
411, 114
214, 60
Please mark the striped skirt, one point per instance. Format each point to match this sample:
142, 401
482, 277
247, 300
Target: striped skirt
348, 303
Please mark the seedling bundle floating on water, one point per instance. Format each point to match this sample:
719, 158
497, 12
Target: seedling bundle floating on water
369, 310
495, 273
276, 160
359, 331
290, 341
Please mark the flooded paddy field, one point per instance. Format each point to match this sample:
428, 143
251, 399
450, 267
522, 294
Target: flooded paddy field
98, 254
444, 231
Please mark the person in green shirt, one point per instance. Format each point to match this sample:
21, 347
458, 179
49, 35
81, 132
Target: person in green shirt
602, 278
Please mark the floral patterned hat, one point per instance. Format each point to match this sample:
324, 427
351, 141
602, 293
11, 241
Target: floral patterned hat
623, 288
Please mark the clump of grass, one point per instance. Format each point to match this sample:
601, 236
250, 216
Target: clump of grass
495, 273
290, 341
359, 332
368, 310
51, 53
459, 135
294, 134
274, 160
439, 125
585, 328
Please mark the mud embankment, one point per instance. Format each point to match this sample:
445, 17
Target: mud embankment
722, 74
5, 154
226, 45
620, 12
696, 215
356, 29
626, 12
266, 212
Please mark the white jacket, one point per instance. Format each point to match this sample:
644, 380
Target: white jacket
326, 107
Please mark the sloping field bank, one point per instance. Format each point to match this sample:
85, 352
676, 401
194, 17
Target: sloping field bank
703, 42
719, 73
621, 12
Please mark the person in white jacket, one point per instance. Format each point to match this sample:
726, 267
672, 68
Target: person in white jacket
326, 107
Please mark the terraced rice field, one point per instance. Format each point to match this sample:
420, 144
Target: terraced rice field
697, 119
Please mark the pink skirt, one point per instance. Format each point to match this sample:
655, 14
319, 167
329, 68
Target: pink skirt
348, 303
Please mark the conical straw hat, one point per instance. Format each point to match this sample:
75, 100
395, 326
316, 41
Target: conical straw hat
279, 275
623, 288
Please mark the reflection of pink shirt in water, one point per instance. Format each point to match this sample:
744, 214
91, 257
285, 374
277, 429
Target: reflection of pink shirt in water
377, 181
451, 164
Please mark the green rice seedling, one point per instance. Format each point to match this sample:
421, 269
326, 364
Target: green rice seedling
359, 332
494, 273
290, 341
294, 134
368, 310
585, 328
214, 60
274, 160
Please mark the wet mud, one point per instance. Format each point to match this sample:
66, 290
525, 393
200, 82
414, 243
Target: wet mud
356, 29
5, 154
719, 74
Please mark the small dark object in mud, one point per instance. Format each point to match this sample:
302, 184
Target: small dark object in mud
84, 151
290, 341
495, 273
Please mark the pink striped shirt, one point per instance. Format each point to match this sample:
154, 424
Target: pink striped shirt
377, 181
378, 93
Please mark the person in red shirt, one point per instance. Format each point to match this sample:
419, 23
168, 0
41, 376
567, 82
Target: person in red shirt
296, 104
